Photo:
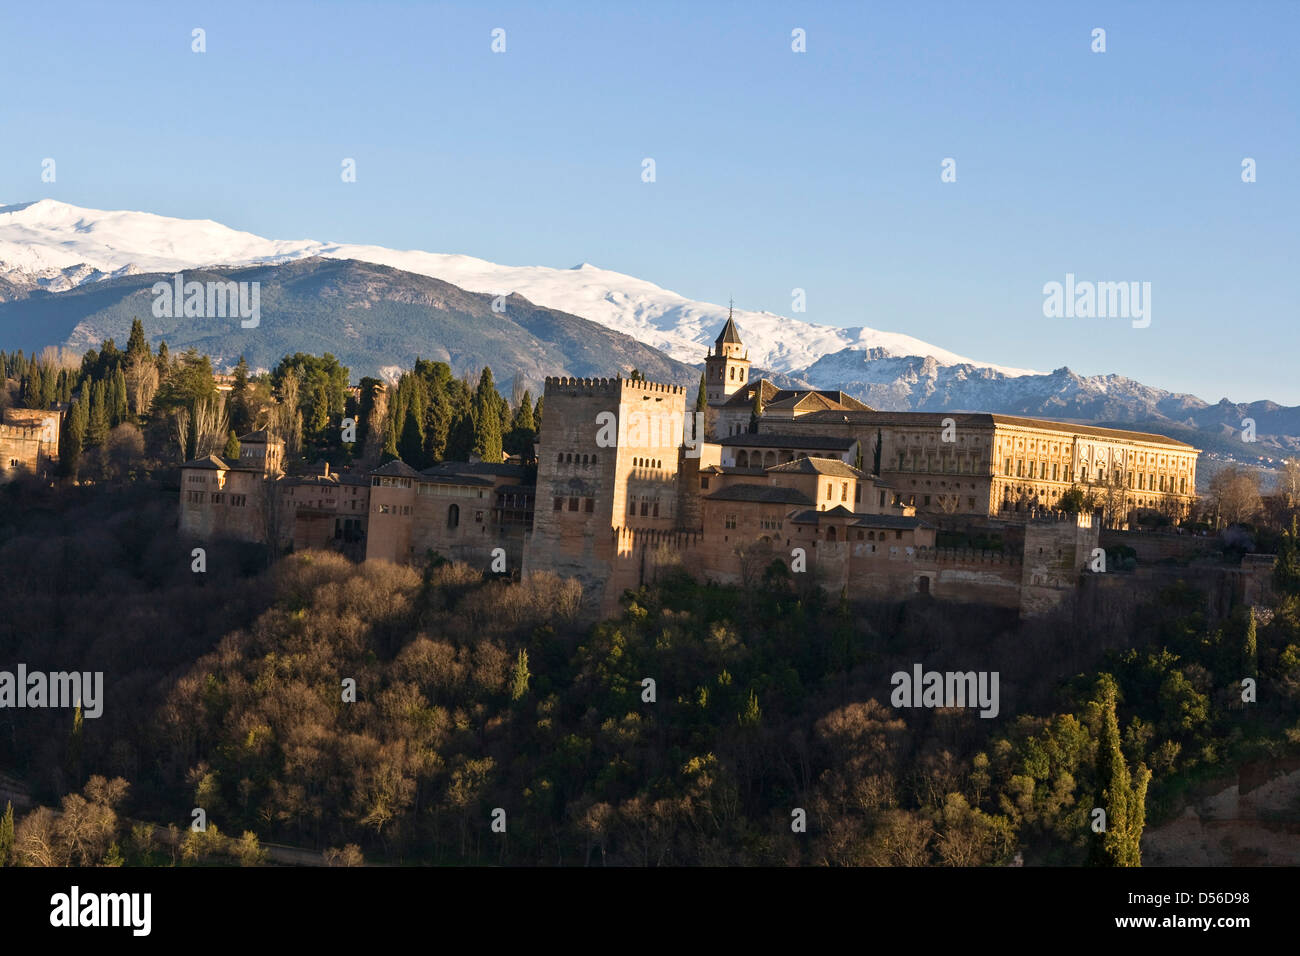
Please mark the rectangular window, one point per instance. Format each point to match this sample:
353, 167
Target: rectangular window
844, 491
730, 521
1007, 471
1031, 470
644, 508
1055, 470
926, 501
573, 504
970, 503
559, 504
589, 505
1020, 468
655, 510
704, 483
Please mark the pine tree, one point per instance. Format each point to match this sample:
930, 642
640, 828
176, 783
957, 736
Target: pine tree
1124, 801
137, 344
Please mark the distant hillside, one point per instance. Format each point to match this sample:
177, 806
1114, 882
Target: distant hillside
371, 317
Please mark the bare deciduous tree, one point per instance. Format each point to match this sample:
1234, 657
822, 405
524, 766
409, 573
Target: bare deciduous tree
141, 381
1234, 494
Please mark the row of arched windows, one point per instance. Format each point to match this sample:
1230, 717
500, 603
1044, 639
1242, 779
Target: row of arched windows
647, 462
568, 458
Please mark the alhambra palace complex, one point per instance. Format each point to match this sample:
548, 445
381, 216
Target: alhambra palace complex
612, 505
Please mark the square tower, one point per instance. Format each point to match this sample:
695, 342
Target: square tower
608, 458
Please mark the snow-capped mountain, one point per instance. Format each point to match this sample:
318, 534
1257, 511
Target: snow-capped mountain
55, 246
89, 259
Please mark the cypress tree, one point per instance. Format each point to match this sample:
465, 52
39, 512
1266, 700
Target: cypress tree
1250, 646
410, 447
117, 406
231, 451
519, 677
1124, 800
701, 400
487, 419
537, 414
524, 415
97, 429
72, 439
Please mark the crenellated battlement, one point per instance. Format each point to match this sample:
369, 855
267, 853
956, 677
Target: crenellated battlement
641, 385
567, 385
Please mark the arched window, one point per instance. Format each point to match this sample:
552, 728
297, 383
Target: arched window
733, 373
559, 459
830, 533
453, 516
584, 459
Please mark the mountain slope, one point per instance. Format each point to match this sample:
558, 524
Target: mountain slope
370, 316
55, 246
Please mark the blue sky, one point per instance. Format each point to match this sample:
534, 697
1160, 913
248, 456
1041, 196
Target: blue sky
775, 170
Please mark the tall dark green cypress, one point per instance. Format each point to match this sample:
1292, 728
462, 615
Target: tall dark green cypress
97, 430
487, 419
119, 411
1123, 799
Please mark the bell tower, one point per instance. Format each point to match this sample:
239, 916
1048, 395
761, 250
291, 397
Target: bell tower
726, 369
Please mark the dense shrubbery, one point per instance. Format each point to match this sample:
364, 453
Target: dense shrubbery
473, 694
